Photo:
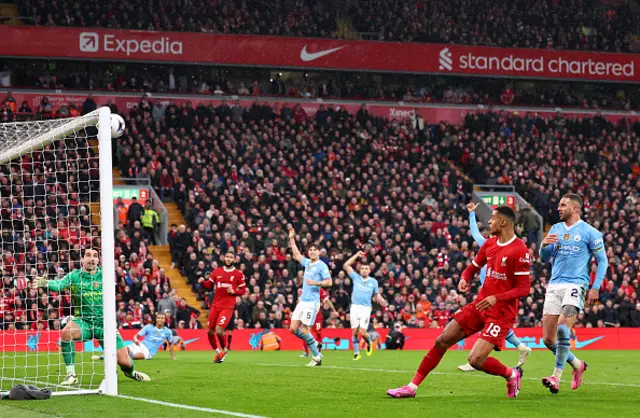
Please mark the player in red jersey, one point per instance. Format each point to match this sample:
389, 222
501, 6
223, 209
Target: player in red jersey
317, 326
229, 283
493, 312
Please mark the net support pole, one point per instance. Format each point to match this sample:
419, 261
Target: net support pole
110, 383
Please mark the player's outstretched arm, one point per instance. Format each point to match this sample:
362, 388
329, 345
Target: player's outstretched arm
473, 224
53, 285
296, 254
347, 265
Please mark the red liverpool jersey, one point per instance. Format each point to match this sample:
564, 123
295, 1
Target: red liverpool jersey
508, 271
223, 279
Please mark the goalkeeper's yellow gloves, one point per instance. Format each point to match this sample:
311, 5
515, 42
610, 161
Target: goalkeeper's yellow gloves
39, 282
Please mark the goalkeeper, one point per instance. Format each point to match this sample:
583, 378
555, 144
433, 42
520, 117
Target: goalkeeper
85, 286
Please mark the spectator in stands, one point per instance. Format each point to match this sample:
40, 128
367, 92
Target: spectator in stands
167, 304
135, 212
150, 222
184, 312
89, 105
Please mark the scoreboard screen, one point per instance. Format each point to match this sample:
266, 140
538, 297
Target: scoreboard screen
495, 201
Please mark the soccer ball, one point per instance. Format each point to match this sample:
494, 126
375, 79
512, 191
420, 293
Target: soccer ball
117, 126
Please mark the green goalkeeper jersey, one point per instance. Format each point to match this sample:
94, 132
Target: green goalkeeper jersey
86, 293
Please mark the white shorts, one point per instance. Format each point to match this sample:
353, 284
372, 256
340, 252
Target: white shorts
306, 312
559, 295
360, 316
139, 348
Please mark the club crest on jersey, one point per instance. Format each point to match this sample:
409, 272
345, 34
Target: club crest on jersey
504, 261
577, 238
96, 285
566, 237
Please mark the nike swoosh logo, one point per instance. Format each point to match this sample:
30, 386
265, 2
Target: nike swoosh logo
306, 56
580, 344
191, 341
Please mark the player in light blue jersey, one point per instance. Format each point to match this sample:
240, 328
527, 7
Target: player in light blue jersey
571, 244
523, 350
316, 275
365, 288
154, 336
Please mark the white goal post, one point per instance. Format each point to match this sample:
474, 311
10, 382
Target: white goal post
38, 144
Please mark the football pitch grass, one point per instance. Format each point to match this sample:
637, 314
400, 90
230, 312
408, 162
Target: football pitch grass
277, 384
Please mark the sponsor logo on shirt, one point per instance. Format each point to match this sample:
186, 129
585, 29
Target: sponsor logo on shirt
496, 274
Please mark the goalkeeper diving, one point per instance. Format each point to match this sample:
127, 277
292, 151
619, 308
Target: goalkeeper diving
85, 286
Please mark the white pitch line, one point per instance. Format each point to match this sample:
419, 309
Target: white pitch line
153, 401
190, 407
482, 375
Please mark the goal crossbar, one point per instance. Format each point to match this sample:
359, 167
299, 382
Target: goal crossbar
17, 146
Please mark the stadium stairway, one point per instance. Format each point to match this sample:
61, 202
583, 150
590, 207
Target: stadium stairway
178, 281
163, 255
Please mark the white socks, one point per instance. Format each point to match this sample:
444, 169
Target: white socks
412, 386
71, 370
557, 373
575, 363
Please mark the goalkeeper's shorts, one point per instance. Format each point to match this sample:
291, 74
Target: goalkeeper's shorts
90, 331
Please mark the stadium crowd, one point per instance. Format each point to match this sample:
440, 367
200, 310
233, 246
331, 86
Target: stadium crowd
46, 222
582, 25
408, 88
355, 182
588, 25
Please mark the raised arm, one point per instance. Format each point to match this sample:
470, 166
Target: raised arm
296, 254
473, 224
347, 265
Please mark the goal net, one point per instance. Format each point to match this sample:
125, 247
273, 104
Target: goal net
55, 202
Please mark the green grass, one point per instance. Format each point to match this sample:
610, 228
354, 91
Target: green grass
277, 385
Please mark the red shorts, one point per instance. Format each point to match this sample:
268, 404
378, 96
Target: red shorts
220, 317
317, 326
471, 320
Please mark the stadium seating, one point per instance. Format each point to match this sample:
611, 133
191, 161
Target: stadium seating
346, 180
582, 25
417, 89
